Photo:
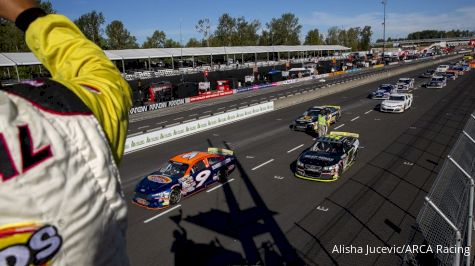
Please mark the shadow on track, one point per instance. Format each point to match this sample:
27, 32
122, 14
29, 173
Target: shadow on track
243, 225
187, 252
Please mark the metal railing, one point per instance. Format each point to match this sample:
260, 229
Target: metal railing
149, 74
446, 219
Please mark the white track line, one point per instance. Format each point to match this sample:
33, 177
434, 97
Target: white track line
262, 164
159, 123
354, 118
339, 126
289, 151
143, 127
218, 186
221, 108
178, 118
163, 213
368, 112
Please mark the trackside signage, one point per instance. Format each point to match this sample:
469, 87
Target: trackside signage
146, 140
156, 106
210, 96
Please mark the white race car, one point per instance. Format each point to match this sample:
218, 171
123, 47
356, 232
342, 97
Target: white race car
405, 84
437, 82
442, 68
397, 103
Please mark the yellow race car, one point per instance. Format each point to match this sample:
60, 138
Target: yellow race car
328, 157
308, 121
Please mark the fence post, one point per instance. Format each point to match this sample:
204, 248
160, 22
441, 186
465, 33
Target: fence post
470, 203
457, 231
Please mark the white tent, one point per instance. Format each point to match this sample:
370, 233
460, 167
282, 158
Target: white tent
19, 59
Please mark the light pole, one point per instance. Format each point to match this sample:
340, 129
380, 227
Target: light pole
181, 54
384, 2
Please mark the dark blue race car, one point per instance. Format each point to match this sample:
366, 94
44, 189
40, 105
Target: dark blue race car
182, 176
383, 92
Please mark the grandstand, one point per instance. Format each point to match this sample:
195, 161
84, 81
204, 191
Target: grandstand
235, 53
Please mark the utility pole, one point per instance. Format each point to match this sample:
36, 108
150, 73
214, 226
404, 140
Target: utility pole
181, 53
384, 2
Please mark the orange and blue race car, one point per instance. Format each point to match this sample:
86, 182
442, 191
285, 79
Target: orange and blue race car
182, 176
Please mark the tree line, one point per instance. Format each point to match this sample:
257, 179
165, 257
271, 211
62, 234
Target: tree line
431, 34
230, 31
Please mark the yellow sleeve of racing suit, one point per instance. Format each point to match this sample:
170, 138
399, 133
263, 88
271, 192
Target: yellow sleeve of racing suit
79, 64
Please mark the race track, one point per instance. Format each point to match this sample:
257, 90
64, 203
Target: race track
265, 215
142, 122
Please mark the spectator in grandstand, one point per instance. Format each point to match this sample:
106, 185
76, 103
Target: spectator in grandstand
60, 142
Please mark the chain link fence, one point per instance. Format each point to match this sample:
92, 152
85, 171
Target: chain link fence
445, 222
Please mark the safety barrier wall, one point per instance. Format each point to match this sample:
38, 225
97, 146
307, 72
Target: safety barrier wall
143, 141
446, 219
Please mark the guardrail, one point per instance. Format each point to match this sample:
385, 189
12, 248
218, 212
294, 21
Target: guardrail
446, 219
176, 131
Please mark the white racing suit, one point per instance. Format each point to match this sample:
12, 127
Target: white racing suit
322, 130
60, 139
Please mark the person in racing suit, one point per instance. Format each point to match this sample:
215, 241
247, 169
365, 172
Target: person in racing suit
61, 201
322, 125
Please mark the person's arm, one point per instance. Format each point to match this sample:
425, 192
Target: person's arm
84, 68
77, 63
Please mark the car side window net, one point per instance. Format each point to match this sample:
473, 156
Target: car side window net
199, 166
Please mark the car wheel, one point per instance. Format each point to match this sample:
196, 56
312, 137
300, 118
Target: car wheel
175, 196
223, 175
340, 171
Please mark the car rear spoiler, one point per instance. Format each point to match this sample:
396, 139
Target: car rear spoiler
220, 151
344, 134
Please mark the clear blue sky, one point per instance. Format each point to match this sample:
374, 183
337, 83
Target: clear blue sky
142, 17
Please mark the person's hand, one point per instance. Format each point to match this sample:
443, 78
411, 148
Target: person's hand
10, 9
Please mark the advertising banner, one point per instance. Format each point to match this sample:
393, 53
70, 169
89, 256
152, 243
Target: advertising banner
156, 106
210, 96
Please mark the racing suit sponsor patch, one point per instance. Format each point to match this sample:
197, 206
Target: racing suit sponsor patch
28, 244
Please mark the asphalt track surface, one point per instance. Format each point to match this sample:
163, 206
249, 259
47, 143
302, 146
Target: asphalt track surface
264, 215
153, 120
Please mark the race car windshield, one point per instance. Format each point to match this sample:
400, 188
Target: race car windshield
404, 81
385, 88
173, 169
396, 98
329, 147
312, 113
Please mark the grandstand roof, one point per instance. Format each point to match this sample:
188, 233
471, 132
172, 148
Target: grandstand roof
12, 59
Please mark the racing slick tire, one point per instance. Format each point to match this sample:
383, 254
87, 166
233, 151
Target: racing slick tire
223, 175
340, 171
175, 196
